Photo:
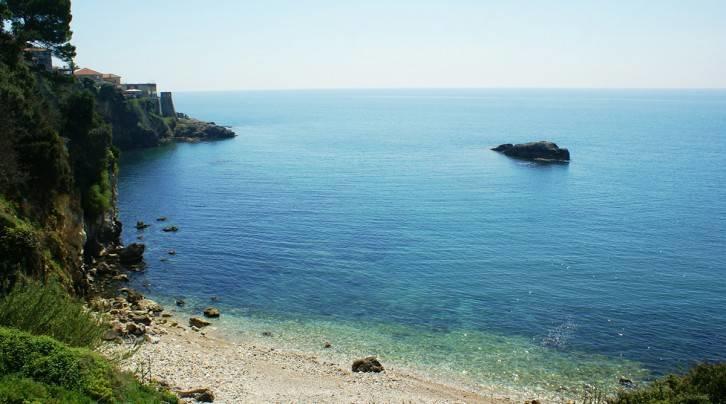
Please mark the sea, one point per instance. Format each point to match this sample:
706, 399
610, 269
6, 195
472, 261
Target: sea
380, 221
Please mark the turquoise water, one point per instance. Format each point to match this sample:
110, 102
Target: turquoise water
379, 220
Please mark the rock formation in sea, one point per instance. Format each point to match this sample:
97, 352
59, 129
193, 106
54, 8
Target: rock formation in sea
193, 130
537, 151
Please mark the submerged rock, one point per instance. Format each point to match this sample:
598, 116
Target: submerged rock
369, 364
170, 229
161, 219
140, 225
627, 383
211, 312
537, 151
198, 322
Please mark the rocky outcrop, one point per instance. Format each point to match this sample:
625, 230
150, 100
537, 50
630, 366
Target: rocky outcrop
536, 151
189, 129
130, 316
369, 364
132, 254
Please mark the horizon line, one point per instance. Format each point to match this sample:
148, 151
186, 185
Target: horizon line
455, 88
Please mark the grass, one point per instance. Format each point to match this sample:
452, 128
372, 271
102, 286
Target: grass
48, 310
703, 384
41, 369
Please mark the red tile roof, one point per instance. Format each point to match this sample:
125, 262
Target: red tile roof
86, 72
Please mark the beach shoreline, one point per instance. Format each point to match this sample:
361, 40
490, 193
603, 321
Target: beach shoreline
257, 371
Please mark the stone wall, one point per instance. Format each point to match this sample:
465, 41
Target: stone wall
167, 105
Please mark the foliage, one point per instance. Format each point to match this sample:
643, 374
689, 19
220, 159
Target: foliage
704, 383
49, 310
89, 146
19, 252
35, 148
42, 22
20, 390
41, 368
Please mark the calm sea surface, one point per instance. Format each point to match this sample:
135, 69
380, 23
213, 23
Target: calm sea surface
380, 221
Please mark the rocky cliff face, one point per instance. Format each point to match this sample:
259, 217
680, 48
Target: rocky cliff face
135, 122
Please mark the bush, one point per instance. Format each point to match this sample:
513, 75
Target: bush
49, 310
19, 390
41, 369
704, 383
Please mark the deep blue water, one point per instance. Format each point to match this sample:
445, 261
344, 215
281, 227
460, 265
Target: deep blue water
386, 209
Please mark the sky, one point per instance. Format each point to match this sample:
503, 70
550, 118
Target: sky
186, 45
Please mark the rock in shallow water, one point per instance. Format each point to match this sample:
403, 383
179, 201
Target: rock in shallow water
369, 364
198, 322
537, 151
211, 312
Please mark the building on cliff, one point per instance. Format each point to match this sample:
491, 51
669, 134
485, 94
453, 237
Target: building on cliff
98, 77
146, 89
167, 105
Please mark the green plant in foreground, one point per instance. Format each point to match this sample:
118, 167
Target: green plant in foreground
41, 369
704, 383
48, 310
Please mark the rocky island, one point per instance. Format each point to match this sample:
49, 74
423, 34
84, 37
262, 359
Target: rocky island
193, 130
542, 151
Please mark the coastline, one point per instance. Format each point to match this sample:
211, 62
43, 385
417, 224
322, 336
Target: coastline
248, 370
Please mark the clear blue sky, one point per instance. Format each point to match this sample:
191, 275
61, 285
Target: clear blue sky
291, 44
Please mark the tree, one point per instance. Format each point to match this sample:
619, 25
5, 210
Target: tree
43, 23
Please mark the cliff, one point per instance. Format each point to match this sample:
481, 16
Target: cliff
57, 176
135, 122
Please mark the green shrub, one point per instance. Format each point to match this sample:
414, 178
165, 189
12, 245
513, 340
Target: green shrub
49, 310
703, 384
20, 390
98, 197
41, 369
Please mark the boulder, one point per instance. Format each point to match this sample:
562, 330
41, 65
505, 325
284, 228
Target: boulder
211, 312
536, 151
140, 225
132, 254
141, 319
132, 296
198, 322
170, 229
149, 305
369, 364
327, 344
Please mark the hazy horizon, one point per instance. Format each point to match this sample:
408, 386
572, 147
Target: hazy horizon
320, 45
